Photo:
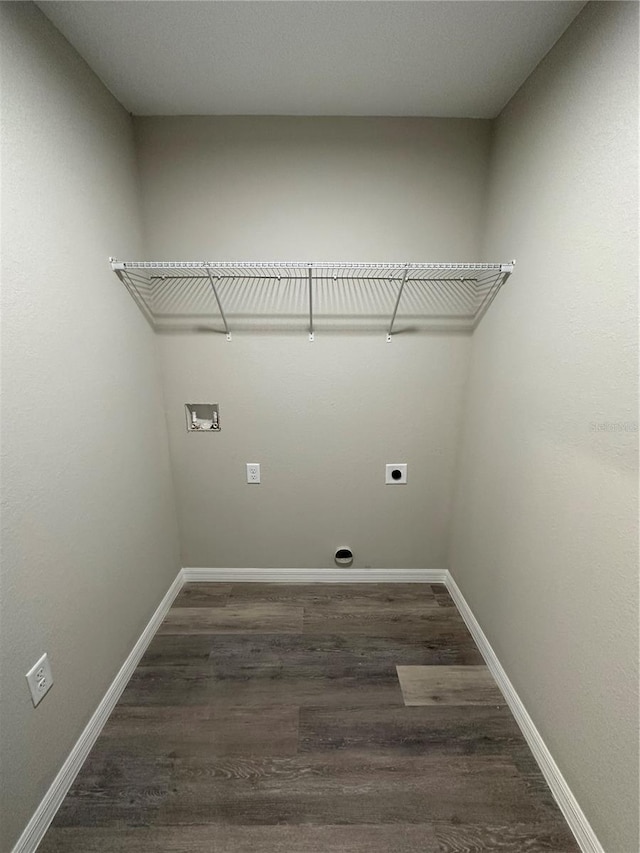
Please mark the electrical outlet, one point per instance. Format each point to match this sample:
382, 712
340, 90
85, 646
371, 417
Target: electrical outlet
395, 473
253, 472
40, 679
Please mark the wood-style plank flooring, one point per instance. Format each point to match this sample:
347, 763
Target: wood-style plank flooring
310, 719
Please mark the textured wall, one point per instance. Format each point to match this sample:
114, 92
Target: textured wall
322, 418
544, 542
89, 539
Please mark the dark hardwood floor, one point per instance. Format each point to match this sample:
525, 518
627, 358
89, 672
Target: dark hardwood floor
310, 719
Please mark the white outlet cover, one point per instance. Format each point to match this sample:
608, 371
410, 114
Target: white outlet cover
395, 474
253, 472
40, 679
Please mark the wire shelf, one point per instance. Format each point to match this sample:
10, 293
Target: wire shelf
223, 295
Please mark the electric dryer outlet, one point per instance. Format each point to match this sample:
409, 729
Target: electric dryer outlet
395, 474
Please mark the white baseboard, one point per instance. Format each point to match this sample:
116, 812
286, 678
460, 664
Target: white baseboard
44, 814
575, 817
329, 575
46, 811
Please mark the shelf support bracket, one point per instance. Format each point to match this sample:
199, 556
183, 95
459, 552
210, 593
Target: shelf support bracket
310, 274
395, 310
121, 271
215, 293
501, 279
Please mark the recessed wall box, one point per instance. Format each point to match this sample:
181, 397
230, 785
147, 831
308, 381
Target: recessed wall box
202, 417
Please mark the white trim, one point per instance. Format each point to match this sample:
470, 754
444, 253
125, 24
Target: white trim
46, 811
44, 814
575, 817
329, 575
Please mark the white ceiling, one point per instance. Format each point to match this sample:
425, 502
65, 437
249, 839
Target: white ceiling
312, 57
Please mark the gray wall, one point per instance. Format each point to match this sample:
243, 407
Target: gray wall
89, 539
322, 418
544, 541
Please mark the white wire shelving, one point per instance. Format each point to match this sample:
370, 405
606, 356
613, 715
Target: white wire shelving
225, 295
